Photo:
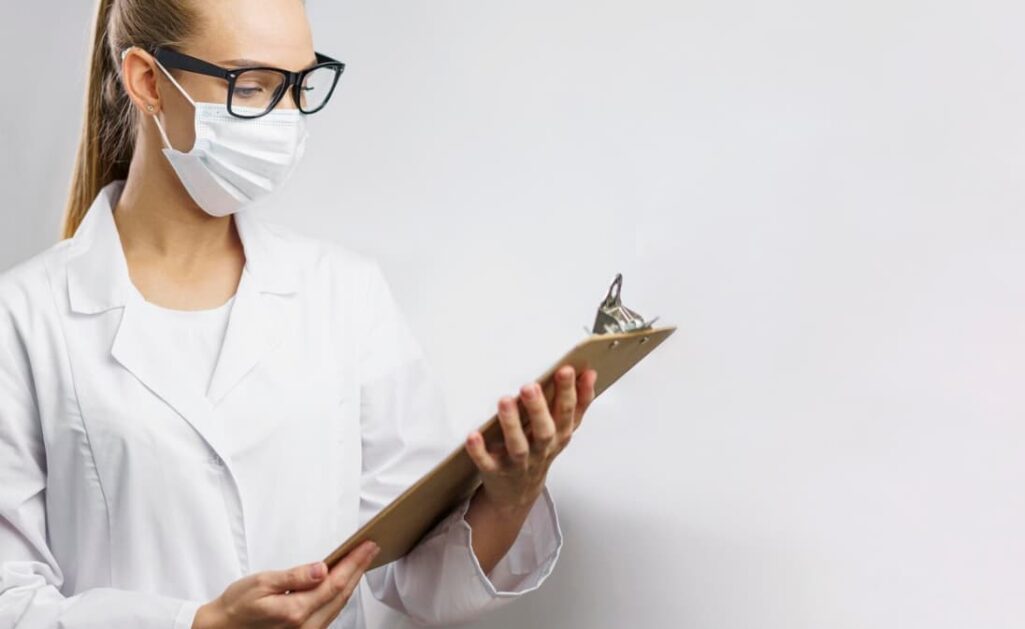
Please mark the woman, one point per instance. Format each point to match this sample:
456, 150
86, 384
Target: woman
194, 404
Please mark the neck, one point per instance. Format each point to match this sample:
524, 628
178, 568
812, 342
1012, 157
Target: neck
156, 217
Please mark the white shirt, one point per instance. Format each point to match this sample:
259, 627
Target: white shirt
188, 339
129, 499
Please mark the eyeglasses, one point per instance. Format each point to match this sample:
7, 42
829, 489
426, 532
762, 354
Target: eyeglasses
256, 91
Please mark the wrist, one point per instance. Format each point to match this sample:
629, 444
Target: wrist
209, 616
516, 508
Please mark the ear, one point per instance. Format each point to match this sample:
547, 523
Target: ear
139, 78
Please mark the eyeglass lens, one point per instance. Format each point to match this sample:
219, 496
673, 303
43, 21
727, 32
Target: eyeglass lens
316, 88
257, 90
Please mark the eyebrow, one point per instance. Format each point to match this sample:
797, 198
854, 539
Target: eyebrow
242, 63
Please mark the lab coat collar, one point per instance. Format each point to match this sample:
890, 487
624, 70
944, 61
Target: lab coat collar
98, 281
98, 277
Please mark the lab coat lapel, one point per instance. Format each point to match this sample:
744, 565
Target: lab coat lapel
134, 348
254, 326
258, 316
98, 280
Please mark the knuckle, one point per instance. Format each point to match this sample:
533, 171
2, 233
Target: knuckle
346, 588
332, 587
550, 449
351, 585
537, 402
338, 584
518, 455
544, 436
338, 580
290, 615
508, 413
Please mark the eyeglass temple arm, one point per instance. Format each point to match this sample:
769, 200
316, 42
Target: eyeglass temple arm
174, 59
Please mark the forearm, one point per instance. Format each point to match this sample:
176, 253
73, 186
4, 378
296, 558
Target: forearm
494, 528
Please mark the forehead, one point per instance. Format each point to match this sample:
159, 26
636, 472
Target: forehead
271, 32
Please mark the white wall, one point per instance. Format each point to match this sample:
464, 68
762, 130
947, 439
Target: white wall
826, 197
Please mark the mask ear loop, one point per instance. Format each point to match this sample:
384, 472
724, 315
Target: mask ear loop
160, 127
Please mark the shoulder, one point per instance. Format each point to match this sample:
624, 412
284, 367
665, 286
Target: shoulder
321, 260
27, 307
26, 285
348, 286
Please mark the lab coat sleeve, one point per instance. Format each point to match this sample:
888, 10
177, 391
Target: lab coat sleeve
30, 578
406, 431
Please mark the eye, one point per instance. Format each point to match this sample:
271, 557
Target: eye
257, 87
248, 91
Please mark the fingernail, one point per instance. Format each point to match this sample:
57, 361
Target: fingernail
318, 570
528, 391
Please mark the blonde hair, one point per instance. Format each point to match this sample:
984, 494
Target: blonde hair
109, 126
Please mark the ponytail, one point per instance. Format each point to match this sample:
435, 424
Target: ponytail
108, 127
95, 167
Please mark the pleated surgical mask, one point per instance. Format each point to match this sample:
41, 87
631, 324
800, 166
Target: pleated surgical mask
236, 161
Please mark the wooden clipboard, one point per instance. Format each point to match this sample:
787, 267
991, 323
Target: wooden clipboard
401, 524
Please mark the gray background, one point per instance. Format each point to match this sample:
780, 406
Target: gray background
825, 196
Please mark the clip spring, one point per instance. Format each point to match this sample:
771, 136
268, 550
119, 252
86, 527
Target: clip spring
614, 317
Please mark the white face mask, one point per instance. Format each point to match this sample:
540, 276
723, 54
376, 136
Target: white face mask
236, 161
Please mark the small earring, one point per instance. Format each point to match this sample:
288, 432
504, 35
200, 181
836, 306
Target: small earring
149, 108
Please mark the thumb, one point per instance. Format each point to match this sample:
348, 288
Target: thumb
301, 577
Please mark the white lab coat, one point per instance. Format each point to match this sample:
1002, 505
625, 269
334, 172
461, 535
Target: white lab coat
127, 500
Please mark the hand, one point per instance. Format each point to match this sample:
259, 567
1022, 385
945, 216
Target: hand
514, 473
307, 596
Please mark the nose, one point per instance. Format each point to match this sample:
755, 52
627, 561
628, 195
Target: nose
287, 100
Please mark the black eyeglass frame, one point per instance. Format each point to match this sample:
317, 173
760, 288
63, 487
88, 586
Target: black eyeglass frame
172, 59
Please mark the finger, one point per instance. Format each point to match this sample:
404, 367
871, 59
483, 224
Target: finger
323, 615
302, 577
334, 584
565, 403
585, 394
484, 460
517, 447
542, 427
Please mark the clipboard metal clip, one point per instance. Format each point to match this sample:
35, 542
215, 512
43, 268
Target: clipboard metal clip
614, 317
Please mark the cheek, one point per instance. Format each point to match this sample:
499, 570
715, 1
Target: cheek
206, 89
178, 122
178, 114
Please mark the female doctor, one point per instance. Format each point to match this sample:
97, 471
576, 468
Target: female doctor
195, 404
